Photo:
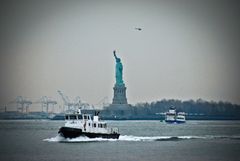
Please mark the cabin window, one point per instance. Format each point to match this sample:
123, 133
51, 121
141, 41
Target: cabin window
79, 117
73, 117
89, 124
66, 117
104, 125
94, 125
88, 117
85, 117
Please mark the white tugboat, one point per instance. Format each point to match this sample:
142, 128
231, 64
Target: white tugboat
175, 117
170, 116
180, 118
78, 124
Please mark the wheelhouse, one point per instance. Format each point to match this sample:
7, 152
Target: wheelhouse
78, 117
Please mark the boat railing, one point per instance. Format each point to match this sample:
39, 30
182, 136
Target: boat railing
113, 130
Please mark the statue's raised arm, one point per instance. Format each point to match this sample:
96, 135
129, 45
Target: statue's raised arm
114, 53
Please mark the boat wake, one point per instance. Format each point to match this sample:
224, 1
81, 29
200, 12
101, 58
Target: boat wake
59, 138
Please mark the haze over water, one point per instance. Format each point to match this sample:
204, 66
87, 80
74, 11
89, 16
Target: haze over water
139, 141
186, 49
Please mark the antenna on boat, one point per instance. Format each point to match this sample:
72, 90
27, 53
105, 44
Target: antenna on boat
96, 113
79, 111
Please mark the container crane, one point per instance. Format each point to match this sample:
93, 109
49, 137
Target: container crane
66, 100
75, 104
103, 102
46, 102
22, 103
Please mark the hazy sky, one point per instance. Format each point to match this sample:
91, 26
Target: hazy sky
188, 49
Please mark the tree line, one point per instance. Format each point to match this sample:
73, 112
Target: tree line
195, 109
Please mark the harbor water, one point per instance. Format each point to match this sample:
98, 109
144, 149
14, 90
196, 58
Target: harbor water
37, 140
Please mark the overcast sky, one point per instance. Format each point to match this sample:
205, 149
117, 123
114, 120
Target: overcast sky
187, 49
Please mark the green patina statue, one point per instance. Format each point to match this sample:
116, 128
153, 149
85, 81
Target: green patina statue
119, 70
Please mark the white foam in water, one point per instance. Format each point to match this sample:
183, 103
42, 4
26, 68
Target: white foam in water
59, 138
156, 138
141, 138
191, 137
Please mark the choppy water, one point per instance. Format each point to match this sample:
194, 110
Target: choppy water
139, 141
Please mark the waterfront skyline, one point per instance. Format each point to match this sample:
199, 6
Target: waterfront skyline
185, 50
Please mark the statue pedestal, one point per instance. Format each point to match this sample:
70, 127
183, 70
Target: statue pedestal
119, 97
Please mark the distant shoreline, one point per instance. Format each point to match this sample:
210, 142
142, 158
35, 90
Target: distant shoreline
136, 119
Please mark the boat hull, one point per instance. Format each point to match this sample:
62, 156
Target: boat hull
170, 121
69, 132
180, 121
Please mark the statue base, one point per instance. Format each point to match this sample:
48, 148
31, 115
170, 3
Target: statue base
119, 97
117, 111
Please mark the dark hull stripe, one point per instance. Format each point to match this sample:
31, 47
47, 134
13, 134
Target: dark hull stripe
180, 122
170, 121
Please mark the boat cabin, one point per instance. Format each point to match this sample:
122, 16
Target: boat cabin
86, 122
77, 117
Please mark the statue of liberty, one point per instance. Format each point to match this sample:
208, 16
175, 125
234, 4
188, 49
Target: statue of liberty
119, 96
118, 70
